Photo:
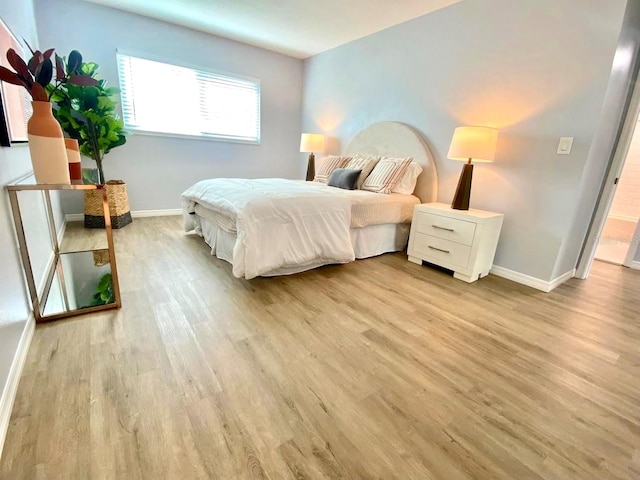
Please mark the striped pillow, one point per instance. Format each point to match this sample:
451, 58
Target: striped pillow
364, 163
386, 174
327, 165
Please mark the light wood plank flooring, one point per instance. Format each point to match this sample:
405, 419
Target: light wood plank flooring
376, 369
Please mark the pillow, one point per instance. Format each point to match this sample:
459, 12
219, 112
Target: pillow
407, 183
386, 174
344, 178
365, 163
327, 165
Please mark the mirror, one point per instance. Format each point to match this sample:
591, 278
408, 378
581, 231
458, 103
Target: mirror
85, 281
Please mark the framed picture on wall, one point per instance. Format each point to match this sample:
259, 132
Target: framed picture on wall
15, 103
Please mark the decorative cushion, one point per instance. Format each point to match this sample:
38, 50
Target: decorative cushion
327, 165
386, 174
364, 163
344, 178
407, 184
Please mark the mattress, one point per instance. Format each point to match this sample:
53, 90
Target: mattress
367, 208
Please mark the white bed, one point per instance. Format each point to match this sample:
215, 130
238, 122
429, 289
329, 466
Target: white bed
354, 224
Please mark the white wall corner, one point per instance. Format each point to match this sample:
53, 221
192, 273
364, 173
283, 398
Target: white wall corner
15, 372
533, 282
556, 282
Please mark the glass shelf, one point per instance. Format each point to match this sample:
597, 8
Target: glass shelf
29, 183
79, 239
76, 282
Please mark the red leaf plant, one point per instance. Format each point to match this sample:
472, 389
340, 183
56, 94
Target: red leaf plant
36, 74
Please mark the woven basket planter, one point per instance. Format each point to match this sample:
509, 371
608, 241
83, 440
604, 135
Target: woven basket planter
100, 257
118, 206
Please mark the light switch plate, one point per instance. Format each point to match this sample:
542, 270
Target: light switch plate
564, 147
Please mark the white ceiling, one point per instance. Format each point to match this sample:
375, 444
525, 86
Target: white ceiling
299, 28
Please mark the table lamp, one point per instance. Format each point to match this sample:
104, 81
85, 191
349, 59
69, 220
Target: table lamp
310, 143
469, 144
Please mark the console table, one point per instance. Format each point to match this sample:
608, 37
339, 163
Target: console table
81, 275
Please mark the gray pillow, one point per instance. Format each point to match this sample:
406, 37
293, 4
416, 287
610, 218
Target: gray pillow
344, 178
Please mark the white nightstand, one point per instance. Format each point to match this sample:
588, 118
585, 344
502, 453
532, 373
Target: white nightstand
464, 241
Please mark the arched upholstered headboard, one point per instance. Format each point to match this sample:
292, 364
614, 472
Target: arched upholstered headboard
395, 139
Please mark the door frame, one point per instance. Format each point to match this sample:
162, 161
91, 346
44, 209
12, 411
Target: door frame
633, 248
610, 184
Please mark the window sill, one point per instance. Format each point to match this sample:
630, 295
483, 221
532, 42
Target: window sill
191, 137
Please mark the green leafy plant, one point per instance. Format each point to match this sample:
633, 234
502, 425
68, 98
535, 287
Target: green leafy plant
104, 292
36, 74
87, 113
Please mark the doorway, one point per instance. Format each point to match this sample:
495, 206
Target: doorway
618, 242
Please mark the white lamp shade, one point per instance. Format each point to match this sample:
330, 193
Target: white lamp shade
312, 143
475, 143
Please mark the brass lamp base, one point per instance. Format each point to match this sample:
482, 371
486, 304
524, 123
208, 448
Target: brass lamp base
463, 192
311, 167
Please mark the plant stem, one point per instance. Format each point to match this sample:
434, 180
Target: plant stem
97, 155
100, 171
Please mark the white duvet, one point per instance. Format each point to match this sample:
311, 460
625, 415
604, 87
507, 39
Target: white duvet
280, 223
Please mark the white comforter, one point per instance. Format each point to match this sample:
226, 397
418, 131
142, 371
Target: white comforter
280, 223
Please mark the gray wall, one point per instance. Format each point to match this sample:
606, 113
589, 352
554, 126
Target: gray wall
15, 162
158, 169
535, 70
612, 116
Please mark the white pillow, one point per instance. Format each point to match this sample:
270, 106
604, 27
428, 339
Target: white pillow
407, 183
327, 165
366, 163
386, 174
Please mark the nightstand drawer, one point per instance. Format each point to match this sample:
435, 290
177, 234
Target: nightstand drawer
446, 228
440, 251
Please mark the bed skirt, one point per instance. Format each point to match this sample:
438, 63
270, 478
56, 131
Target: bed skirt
369, 241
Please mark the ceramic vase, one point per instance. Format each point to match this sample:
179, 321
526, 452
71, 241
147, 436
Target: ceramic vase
46, 146
73, 157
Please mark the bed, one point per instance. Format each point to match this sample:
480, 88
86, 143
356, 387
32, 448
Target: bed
268, 227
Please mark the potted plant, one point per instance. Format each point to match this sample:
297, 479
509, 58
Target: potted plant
46, 140
87, 114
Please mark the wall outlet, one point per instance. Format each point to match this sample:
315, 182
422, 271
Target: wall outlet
564, 147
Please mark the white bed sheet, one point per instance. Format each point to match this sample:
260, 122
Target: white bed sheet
367, 242
280, 223
367, 208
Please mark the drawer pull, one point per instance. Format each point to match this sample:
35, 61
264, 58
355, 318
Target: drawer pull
443, 228
439, 249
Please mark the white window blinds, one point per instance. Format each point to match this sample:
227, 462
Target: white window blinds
163, 98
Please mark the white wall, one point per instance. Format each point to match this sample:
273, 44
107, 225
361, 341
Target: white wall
14, 162
622, 80
158, 169
523, 67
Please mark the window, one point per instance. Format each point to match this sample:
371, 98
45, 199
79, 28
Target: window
163, 98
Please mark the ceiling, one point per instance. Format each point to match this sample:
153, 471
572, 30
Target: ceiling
299, 28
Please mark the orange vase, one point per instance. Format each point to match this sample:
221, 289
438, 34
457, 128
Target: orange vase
73, 157
46, 146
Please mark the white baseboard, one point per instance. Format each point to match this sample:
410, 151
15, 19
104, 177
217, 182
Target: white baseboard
156, 213
74, 217
15, 372
624, 218
635, 265
533, 282
79, 217
556, 282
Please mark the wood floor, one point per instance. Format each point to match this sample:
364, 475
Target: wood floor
376, 369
